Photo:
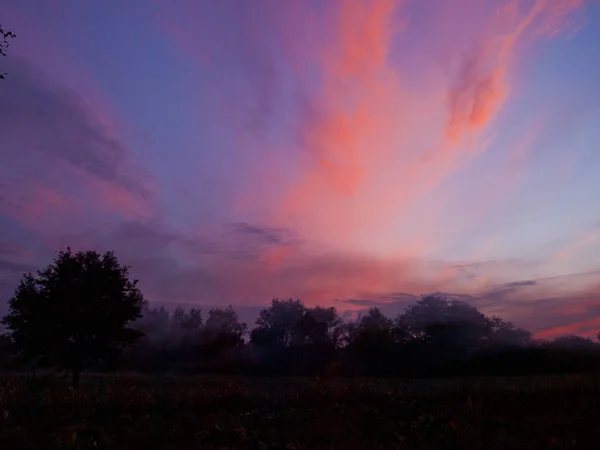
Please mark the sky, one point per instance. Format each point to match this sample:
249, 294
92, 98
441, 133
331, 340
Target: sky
350, 153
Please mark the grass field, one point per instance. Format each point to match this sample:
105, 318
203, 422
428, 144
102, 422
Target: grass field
135, 412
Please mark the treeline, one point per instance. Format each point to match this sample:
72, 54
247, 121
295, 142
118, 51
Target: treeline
436, 336
84, 312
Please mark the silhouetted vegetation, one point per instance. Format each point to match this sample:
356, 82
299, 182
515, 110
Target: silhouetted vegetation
74, 312
5, 35
436, 336
83, 311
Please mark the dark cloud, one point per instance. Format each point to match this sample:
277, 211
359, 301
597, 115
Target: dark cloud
474, 264
369, 303
245, 242
65, 126
521, 283
390, 304
56, 148
402, 296
261, 235
384, 300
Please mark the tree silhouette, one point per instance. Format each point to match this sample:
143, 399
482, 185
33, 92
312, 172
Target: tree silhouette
504, 334
222, 335
5, 35
322, 326
74, 312
438, 309
224, 324
289, 337
278, 325
370, 342
185, 328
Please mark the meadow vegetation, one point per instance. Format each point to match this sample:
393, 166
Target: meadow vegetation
133, 411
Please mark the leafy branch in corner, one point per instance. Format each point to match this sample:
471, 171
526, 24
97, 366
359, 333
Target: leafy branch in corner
4, 37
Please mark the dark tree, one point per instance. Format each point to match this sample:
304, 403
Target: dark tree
437, 309
322, 326
75, 312
291, 338
185, 329
573, 343
278, 325
152, 350
370, 343
5, 351
504, 334
222, 333
4, 37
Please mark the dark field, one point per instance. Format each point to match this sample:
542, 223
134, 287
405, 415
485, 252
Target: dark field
128, 412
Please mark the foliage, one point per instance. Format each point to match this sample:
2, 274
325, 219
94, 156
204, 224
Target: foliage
183, 341
223, 325
74, 311
292, 339
439, 335
5, 35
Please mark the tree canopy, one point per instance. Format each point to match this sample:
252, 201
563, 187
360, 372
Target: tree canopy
74, 311
83, 310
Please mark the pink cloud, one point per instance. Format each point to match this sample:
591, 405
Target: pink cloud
373, 148
579, 242
112, 197
372, 144
482, 85
585, 328
35, 204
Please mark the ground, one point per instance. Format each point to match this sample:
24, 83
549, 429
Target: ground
134, 412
